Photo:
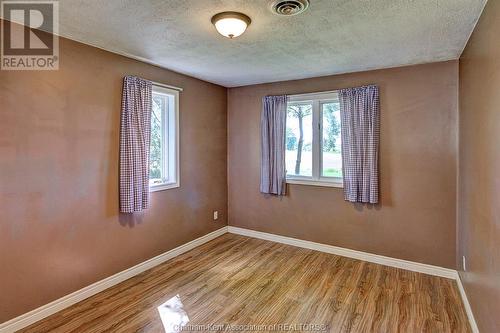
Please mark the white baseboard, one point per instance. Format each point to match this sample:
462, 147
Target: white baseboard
340, 251
467, 306
79, 295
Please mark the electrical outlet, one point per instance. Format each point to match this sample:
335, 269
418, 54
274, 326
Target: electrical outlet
463, 264
216, 215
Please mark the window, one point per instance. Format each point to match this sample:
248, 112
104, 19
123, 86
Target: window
313, 140
164, 149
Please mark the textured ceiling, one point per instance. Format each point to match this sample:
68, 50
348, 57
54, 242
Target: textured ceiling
332, 36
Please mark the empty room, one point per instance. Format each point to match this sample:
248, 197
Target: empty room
250, 166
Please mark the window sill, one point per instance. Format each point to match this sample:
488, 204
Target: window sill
315, 183
163, 187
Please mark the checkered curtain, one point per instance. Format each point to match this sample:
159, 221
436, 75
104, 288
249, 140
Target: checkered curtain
273, 125
360, 118
135, 137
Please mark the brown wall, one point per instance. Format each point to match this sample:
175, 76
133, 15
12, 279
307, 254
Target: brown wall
479, 169
416, 218
59, 227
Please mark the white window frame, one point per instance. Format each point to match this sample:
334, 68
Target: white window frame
170, 146
316, 99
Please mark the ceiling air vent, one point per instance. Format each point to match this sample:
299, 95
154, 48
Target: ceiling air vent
289, 7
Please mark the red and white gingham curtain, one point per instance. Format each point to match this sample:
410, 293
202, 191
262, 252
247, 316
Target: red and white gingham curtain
272, 161
360, 119
135, 137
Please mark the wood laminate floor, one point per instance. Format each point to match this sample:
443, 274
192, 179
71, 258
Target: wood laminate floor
244, 281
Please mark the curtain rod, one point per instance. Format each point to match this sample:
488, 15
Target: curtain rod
315, 93
331, 91
166, 86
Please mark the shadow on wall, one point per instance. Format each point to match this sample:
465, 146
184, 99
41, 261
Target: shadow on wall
359, 206
110, 163
130, 220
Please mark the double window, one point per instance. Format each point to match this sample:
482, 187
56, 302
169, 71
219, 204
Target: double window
313, 140
164, 148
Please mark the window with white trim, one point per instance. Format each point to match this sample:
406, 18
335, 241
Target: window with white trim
313, 140
164, 149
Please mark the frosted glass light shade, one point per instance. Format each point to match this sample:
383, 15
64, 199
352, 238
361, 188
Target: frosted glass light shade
231, 24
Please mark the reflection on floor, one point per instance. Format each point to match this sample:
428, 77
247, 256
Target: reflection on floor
258, 285
172, 314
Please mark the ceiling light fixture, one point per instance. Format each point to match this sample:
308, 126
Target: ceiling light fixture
231, 24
